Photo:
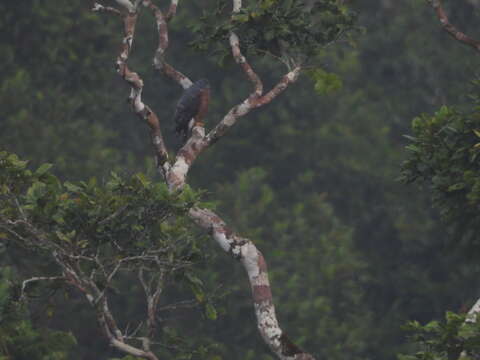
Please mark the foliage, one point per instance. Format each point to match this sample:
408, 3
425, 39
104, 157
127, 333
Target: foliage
293, 29
443, 154
19, 339
98, 234
444, 340
46, 99
325, 82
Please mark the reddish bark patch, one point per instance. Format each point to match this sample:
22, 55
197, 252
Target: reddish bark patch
262, 265
261, 293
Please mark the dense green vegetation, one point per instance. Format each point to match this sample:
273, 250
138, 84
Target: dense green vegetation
312, 178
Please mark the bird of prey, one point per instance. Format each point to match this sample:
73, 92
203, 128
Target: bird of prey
191, 108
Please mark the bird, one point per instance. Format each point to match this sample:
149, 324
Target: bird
191, 108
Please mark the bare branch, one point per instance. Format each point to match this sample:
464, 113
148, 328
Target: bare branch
172, 10
100, 8
449, 28
241, 60
136, 83
198, 142
248, 104
38, 278
473, 312
255, 266
247, 69
186, 304
159, 62
237, 5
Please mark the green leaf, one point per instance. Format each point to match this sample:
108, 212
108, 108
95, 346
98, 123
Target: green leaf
193, 279
143, 179
456, 187
210, 312
43, 169
72, 187
198, 292
63, 237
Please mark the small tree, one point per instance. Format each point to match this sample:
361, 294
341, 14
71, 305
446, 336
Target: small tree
97, 233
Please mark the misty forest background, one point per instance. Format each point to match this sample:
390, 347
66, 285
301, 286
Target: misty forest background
313, 178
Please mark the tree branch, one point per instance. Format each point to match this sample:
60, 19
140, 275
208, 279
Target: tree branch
255, 266
136, 83
35, 279
172, 10
198, 142
100, 8
159, 62
449, 28
473, 312
241, 60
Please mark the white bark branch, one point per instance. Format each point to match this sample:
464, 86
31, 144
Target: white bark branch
159, 62
100, 8
473, 312
237, 5
35, 279
255, 266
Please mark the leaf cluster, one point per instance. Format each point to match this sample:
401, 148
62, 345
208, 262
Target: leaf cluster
127, 223
296, 29
134, 213
444, 154
444, 340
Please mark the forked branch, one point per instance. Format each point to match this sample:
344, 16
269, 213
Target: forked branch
240, 248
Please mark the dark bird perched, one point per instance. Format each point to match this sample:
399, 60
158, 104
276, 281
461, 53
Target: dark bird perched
191, 108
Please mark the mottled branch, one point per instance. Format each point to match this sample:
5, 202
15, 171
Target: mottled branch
135, 97
451, 29
241, 60
159, 62
172, 10
247, 69
254, 264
